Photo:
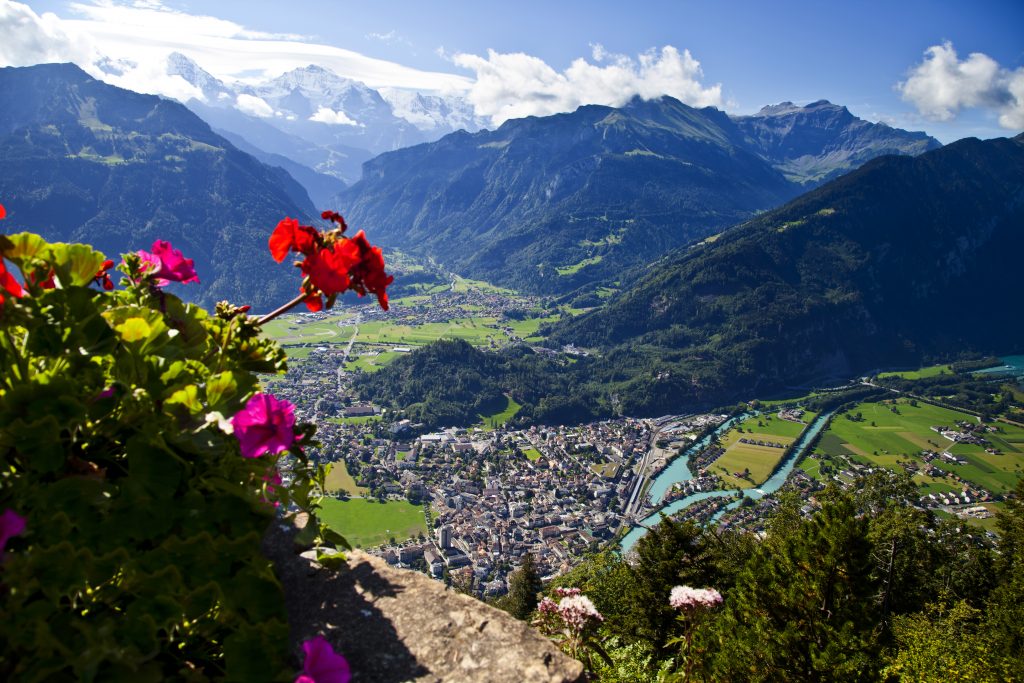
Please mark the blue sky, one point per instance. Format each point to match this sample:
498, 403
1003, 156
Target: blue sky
852, 53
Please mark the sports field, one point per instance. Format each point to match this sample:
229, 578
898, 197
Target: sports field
366, 523
891, 432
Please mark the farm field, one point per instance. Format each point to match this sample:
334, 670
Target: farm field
759, 460
338, 479
366, 523
291, 329
887, 438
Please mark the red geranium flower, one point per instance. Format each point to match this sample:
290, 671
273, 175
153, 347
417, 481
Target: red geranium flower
290, 236
328, 268
368, 274
103, 278
8, 284
332, 263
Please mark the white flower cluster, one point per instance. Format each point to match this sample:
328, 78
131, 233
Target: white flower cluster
684, 597
577, 610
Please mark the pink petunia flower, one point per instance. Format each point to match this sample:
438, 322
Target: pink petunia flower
11, 524
168, 264
323, 664
264, 425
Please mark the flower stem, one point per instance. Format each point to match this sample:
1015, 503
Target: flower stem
284, 309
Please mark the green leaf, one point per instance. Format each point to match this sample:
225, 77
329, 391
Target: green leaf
221, 388
187, 396
22, 247
75, 264
152, 466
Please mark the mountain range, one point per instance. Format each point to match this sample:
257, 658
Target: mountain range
905, 260
316, 118
85, 161
565, 202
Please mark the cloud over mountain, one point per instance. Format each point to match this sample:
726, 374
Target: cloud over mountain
943, 84
513, 85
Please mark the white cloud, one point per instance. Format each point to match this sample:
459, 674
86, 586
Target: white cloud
149, 31
514, 85
29, 38
942, 85
332, 117
253, 106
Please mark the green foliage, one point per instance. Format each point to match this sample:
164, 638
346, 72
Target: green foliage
141, 556
670, 554
523, 590
946, 644
451, 383
802, 608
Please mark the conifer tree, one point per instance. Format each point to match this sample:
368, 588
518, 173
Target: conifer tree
803, 609
523, 588
670, 554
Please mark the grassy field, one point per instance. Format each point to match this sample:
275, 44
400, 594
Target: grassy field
760, 460
887, 438
607, 470
502, 416
338, 479
922, 373
361, 420
292, 329
476, 331
577, 267
531, 454
368, 360
528, 328
366, 523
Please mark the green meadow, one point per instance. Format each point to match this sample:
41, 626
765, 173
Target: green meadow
338, 479
760, 460
922, 373
887, 438
366, 523
502, 416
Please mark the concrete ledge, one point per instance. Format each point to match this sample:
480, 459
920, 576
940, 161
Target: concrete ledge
397, 625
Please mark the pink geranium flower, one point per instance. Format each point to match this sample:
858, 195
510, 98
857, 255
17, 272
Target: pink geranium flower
168, 264
264, 425
11, 524
323, 664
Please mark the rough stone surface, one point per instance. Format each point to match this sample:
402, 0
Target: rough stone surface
397, 625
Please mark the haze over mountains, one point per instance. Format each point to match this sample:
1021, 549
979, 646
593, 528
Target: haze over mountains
557, 203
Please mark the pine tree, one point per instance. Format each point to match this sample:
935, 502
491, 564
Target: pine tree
804, 609
523, 588
670, 554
